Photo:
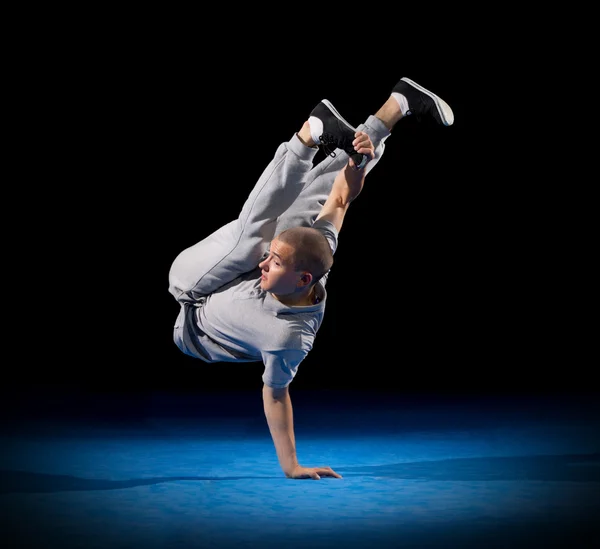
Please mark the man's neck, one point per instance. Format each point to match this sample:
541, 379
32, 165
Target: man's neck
300, 300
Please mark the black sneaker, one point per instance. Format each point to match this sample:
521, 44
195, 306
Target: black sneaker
422, 102
330, 130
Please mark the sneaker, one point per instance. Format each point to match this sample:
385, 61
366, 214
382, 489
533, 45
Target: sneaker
330, 130
422, 102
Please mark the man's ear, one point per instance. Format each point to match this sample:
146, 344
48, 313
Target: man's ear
305, 278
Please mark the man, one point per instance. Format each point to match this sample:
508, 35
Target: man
254, 290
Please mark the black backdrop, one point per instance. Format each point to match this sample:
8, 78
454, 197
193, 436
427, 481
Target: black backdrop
454, 269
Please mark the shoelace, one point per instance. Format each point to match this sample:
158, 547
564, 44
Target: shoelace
327, 140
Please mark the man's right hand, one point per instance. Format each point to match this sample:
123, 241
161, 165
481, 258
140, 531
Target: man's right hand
362, 143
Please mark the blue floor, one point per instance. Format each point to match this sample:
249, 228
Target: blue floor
183, 470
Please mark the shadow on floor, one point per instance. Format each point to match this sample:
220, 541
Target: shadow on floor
23, 482
570, 468
573, 468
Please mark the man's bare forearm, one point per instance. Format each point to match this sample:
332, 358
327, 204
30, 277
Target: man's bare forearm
280, 418
348, 184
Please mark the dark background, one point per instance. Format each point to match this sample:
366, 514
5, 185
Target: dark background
456, 272
465, 271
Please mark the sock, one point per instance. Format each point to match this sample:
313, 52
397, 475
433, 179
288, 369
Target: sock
402, 101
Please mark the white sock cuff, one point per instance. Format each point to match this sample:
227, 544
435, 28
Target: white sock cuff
402, 101
316, 128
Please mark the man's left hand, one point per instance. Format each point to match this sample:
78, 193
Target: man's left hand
314, 473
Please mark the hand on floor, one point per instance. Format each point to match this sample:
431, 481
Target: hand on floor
314, 473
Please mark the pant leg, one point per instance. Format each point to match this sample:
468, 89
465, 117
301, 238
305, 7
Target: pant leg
237, 247
309, 202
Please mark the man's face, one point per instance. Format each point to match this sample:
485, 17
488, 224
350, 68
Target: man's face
278, 274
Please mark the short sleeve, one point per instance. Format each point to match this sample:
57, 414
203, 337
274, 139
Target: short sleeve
281, 367
329, 231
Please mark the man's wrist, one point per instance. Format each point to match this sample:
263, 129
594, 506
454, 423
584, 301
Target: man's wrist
289, 472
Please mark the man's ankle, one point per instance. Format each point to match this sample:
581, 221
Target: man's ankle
305, 136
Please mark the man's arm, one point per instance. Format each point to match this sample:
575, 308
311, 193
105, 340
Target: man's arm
347, 185
280, 418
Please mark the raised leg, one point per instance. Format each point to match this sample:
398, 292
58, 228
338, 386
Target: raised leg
407, 98
237, 247
309, 202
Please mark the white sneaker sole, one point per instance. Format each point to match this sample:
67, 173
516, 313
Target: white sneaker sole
337, 114
443, 108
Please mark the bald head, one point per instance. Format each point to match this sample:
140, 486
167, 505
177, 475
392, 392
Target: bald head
312, 252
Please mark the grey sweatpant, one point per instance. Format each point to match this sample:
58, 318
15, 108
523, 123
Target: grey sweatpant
290, 192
